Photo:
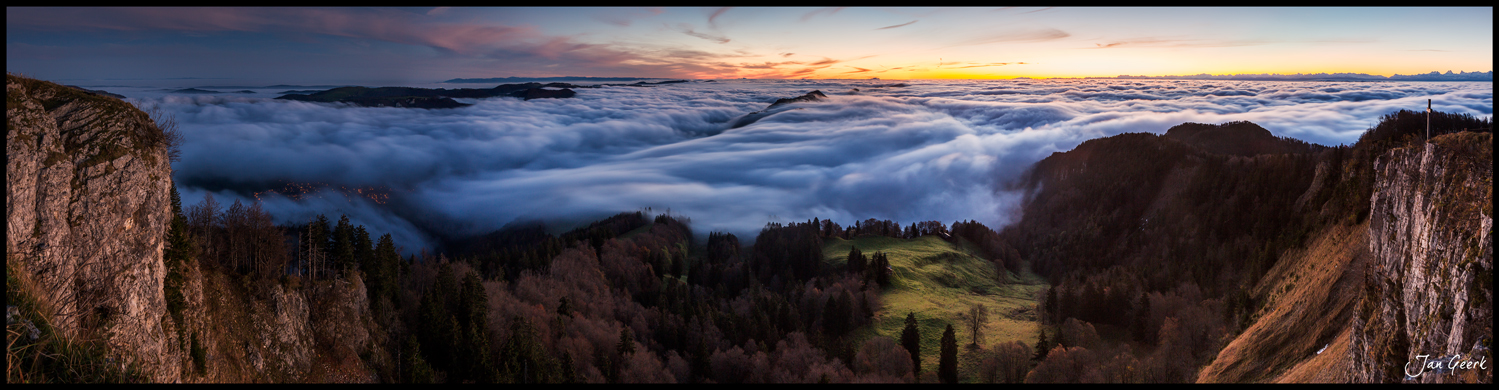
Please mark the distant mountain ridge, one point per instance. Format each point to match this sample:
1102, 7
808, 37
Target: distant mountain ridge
431, 98
1241, 138
562, 78
1433, 76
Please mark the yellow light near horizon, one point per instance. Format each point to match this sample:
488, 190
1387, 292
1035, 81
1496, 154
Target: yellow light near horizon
964, 75
1137, 67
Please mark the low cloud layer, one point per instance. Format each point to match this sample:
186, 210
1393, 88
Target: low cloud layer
924, 150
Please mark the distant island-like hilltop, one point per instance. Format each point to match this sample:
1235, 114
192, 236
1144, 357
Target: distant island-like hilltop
492, 80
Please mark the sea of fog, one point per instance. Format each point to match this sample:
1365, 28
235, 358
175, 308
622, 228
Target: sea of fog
903, 150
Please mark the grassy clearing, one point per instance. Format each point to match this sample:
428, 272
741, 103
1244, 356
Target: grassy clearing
938, 281
637, 231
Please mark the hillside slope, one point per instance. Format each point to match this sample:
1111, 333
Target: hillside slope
1370, 254
1301, 332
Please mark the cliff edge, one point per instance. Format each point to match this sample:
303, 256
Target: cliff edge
87, 209
1429, 289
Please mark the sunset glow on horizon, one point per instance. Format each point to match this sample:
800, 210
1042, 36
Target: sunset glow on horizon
396, 45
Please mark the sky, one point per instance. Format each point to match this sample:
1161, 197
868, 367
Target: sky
401, 46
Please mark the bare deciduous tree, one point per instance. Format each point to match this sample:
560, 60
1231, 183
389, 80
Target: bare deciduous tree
976, 316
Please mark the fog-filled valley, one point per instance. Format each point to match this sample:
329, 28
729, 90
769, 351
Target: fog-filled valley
901, 150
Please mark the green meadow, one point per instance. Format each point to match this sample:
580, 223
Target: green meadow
939, 281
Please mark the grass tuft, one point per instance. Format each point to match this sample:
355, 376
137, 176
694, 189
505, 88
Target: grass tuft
52, 357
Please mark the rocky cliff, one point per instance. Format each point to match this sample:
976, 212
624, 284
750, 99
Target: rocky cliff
1429, 288
87, 208
268, 331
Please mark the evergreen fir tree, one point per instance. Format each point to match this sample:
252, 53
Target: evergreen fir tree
910, 338
1042, 347
856, 261
1061, 341
947, 366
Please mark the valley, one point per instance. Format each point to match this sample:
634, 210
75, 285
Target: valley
1204, 253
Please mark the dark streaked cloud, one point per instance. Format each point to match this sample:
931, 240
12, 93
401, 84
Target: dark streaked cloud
825, 61
687, 29
898, 25
713, 17
829, 11
1030, 35
1163, 42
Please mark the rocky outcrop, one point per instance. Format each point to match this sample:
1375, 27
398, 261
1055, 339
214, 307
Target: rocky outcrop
809, 97
539, 93
97, 92
778, 106
87, 210
1429, 288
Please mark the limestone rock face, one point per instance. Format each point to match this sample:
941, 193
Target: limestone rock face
88, 208
1430, 286
87, 211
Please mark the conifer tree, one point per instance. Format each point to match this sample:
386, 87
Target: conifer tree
856, 261
568, 376
414, 368
626, 343
910, 338
947, 366
880, 267
364, 250
180, 248
523, 359
383, 276
1042, 346
341, 250
1061, 341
